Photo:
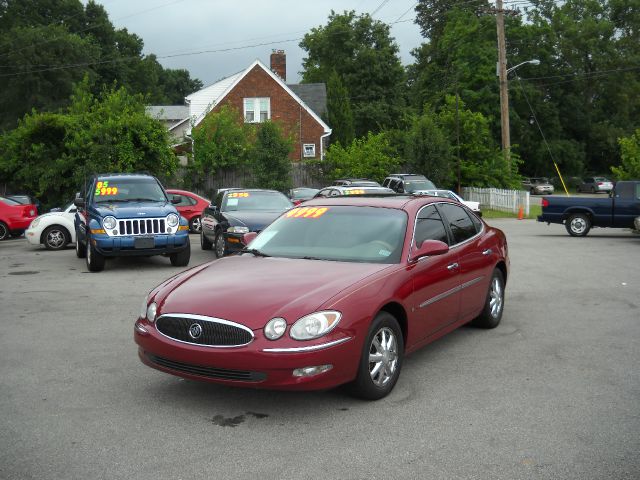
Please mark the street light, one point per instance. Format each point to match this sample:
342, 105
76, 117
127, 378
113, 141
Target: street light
503, 73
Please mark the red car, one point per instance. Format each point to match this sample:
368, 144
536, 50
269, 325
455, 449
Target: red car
191, 207
334, 292
15, 217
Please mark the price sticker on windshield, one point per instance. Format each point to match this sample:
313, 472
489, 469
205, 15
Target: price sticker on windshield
354, 192
103, 189
307, 212
238, 195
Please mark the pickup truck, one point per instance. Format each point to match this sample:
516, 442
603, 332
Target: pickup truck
129, 214
579, 214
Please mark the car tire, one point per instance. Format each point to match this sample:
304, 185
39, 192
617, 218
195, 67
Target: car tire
380, 364
4, 231
205, 243
494, 304
55, 237
95, 261
220, 245
181, 258
195, 225
533, 191
578, 224
593, 190
81, 249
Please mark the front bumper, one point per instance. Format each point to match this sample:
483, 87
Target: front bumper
251, 366
33, 236
125, 245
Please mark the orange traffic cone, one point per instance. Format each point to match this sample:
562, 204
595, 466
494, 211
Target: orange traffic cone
520, 213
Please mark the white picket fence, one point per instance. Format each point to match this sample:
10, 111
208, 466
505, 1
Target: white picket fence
498, 199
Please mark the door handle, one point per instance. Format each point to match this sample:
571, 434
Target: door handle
453, 266
488, 251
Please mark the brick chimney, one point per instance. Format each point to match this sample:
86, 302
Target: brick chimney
279, 64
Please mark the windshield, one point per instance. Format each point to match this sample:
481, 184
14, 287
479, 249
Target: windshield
340, 233
413, 185
127, 190
8, 201
255, 200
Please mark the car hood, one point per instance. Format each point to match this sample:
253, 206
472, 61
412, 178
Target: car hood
134, 209
252, 290
253, 219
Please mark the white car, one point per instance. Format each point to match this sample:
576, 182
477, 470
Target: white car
473, 206
54, 230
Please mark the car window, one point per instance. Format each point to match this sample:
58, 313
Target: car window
184, 201
319, 233
461, 226
8, 201
255, 200
108, 190
429, 226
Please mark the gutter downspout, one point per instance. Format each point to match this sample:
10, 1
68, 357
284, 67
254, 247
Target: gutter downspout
322, 137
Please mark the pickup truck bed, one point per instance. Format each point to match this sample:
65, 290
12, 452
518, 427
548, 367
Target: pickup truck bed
579, 214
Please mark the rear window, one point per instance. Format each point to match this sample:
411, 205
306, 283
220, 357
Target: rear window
9, 201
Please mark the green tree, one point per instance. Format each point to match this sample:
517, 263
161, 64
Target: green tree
220, 141
369, 157
50, 154
339, 116
428, 149
630, 154
270, 158
365, 57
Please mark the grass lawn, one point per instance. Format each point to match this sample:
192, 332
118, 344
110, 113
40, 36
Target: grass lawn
534, 211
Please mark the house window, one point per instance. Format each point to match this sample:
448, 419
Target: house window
257, 110
309, 150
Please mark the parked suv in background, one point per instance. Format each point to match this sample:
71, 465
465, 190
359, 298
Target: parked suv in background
129, 214
408, 182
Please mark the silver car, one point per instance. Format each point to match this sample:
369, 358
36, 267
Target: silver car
595, 185
537, 186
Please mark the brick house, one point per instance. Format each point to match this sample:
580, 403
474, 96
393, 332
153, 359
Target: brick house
260, 94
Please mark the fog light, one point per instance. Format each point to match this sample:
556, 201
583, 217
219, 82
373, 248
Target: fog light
311, 371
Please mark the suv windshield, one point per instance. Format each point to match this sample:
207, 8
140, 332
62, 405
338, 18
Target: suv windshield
253, 200
328, 233
411, 186
128, 189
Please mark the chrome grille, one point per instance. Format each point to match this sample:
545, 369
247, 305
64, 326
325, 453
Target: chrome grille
141, 226
215, 332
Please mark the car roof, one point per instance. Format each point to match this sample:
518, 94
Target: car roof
400, 202
374, 188
252, 190
184, 192
124, 175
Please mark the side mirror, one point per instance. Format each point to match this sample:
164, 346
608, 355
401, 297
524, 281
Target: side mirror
247, 238
176, 199
429, 248
78, 202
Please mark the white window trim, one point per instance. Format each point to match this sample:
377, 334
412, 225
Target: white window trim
256, 109
312, 147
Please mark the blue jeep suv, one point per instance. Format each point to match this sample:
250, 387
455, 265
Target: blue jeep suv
129, 214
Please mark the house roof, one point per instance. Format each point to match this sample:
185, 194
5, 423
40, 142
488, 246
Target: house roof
202, 101
313, 94
168, 112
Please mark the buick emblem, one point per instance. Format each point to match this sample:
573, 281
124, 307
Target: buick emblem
195, 331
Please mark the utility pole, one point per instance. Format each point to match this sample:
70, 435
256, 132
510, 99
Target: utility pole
504, 87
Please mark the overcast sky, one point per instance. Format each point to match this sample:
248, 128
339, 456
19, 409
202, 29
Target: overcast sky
172, 28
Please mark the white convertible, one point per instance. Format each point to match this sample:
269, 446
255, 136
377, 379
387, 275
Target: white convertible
473, 206
54, 229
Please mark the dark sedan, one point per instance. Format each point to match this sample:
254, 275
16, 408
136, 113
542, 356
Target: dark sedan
334, 292
236, 212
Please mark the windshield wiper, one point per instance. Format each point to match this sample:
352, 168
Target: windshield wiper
145, 200
255, 251
312, 258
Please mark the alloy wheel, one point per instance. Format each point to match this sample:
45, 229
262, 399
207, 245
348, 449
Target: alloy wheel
495, 297
383, 357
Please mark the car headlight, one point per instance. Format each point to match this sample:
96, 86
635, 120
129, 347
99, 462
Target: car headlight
173, 220
151, 312
109, 223
143, 307
275, 328
35, 223
314, 325
238, 230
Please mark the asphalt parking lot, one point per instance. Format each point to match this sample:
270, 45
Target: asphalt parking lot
553, 392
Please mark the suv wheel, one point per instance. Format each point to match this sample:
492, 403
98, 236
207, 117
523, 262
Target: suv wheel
181, 258
81, 249
95, 261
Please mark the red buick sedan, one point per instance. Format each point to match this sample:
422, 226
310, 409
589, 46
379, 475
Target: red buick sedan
190, 207
334, 292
